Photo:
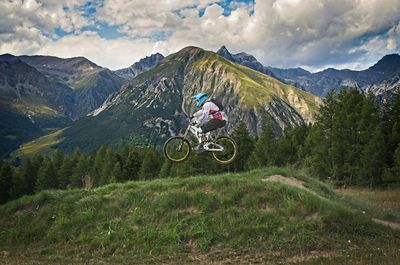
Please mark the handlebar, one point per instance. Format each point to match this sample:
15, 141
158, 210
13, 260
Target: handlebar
192, 121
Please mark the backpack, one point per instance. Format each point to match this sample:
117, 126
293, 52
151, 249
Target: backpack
218, 103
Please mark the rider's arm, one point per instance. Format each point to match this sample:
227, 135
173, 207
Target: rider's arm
197, 114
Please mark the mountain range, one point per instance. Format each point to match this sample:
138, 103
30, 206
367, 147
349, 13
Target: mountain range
141, 66
152, 106
381, 79
144, 103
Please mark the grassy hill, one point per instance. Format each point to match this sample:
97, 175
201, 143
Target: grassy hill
267, 215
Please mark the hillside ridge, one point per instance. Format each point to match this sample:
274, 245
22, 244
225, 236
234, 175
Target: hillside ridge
166, 220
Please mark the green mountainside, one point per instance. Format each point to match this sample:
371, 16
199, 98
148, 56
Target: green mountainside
151, 107
37, 95
91, 84
30, 104
272, 215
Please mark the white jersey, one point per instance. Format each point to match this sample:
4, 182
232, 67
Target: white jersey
209, 111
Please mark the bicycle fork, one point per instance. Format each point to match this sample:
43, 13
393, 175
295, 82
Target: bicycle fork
184, 137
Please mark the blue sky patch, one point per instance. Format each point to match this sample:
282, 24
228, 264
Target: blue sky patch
89, 10
105, 30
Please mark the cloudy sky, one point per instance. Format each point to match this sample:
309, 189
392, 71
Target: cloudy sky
314, 34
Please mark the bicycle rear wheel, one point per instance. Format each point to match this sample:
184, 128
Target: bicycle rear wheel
177, 149
228, 154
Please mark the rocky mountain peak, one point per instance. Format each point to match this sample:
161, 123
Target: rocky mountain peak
139, 67
388, 63
223, 51
148, 60
8, 57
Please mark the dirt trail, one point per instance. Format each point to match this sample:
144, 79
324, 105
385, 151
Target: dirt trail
300, 184
291, 181
393, 225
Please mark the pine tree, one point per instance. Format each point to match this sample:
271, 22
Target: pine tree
31, 174
76, 154
20, 180
79, 172
116, 173
58, 158
291, 146
132, 165
151, 165
107, 166
97, 165
392, 175
316, 153
373, 160
6, 176
264, 153
391, 126
165, 170
46, 176
65, 172
245, 144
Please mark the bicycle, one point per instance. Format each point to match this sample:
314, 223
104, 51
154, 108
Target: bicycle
178, 148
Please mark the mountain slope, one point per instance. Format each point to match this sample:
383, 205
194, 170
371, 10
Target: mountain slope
43, 93
63, 70
23, 83
267, 216
151, 107
30, 103
91, 83
143, 65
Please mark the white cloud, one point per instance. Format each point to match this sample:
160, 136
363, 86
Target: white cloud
284, 33
113, 54
145, 17
25, 26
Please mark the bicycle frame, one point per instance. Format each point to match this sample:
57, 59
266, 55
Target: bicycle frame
208, 146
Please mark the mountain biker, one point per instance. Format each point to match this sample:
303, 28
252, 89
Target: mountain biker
210, 117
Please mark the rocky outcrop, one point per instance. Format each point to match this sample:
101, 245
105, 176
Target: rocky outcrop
143, 65
244, 59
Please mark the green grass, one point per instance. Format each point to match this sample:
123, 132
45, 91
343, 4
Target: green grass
237, 217
385, 198
40, 145
86, 81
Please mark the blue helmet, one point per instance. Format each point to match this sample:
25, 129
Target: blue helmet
200, 98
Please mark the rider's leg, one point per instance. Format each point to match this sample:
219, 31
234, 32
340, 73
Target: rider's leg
199, 132
212, 125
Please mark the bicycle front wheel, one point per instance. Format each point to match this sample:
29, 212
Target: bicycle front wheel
177, 149
228, 154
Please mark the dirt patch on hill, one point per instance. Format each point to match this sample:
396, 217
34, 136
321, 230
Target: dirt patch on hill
310, 256
287, 180
291, 181
393, 225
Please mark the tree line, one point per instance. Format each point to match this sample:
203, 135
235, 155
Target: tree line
354, 141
